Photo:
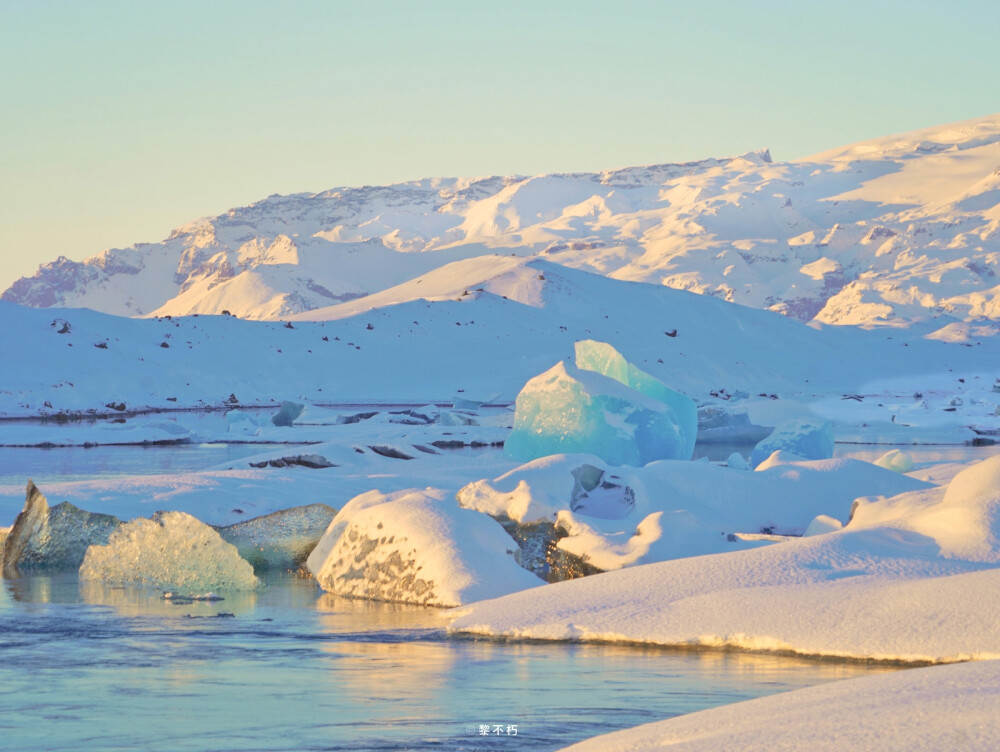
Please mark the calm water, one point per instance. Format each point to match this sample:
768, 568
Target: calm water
86, 667
60, 464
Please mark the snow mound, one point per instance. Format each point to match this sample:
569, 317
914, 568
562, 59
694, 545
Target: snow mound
963, 524
920, 710
568, 409
418, 547
52, 538
809, 438
282, 540
172, 551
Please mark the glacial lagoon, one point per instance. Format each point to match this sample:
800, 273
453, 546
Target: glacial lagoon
291, 668
90, 667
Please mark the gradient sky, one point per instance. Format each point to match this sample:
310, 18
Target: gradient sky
122, 120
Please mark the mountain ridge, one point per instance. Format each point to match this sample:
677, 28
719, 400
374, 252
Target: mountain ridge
891, 231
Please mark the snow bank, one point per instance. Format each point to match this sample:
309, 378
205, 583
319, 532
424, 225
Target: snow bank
416, 547
910, 578
920, 710
171, 551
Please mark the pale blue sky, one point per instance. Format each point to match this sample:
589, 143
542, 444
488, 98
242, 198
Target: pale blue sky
122, 120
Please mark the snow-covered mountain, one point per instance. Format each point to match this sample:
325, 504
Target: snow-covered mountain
883, 232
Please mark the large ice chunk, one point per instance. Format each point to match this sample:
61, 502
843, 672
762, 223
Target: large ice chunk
416, 547
602, 358
281, 540
572, 410
171, 551
52, 538
809, 438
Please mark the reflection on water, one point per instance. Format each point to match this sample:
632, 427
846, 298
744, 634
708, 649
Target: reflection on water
63, 464
83, 666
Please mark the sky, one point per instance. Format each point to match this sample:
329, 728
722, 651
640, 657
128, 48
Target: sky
120, 121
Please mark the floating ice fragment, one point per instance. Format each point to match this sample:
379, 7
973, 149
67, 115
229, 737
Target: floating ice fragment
172, 551
52, 538
810, 438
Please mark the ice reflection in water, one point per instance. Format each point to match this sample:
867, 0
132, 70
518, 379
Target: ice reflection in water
84, 666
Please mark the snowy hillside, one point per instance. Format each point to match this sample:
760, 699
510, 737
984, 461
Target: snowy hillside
481, 327
884, 232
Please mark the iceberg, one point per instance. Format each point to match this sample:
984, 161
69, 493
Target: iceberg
171, 551
52, 538
281, 540
602, 358
573, 410
417, 547
809, 438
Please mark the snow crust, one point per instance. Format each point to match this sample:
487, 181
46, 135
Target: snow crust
416, 547
171, 551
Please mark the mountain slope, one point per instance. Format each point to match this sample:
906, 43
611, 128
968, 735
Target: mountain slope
891, 231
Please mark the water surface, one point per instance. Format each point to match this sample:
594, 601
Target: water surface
95, 668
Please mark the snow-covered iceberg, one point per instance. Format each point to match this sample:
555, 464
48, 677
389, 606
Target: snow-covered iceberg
416, 547
52, 538
171, 551
281, 540
625, 418
809, 438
